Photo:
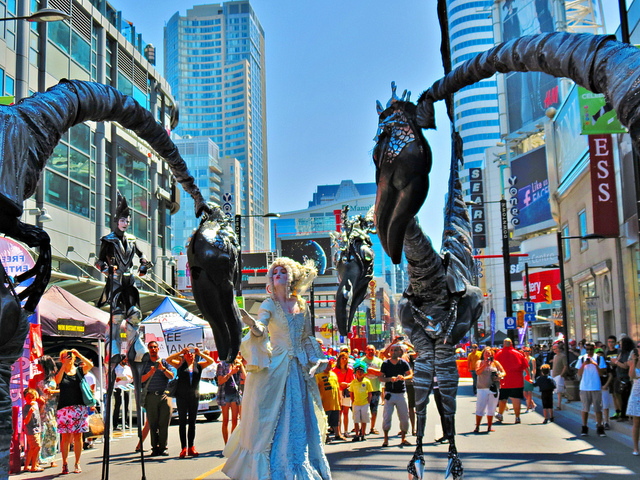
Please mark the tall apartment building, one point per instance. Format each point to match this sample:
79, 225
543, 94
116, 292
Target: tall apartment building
214, 62
475, 106
202, 157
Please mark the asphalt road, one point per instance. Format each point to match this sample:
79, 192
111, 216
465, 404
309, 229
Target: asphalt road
528, 451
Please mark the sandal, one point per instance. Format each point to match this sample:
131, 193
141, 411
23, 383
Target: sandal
77, 469
37, 469
65, 469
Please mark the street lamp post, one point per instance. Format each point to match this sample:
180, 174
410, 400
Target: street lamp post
563, 297
238, 227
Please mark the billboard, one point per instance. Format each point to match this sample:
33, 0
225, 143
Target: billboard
528, 94
529, 177
317, 249
253, 265
539, 280
596, 115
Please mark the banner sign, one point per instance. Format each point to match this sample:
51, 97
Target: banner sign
596, 115
184, 273
539, 280
478, 222
532, 182
603, 186
492, 319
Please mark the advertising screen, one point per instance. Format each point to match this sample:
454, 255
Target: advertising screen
317, 249
531, 181
528, 94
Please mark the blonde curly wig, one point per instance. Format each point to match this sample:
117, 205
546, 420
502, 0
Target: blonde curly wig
300, 276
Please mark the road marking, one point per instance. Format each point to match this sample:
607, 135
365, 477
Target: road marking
205, 475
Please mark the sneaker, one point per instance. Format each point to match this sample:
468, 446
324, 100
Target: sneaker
585, 431
499, 417
600, 431
545, 421
607, 426
616, 416
65, 469
518, 420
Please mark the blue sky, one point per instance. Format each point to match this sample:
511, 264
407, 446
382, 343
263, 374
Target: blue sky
326, 64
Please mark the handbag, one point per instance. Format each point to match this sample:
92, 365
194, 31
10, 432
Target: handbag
96, 425
87, 395
172, 388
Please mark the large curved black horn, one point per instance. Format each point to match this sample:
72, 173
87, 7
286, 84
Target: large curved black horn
46, 116
597, 62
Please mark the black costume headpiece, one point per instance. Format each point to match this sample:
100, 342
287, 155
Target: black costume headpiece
122, 209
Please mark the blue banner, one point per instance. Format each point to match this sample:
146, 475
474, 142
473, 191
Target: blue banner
493, 325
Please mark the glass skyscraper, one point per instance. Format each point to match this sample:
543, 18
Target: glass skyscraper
214, 62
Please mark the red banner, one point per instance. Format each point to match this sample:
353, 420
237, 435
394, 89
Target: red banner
35, 342
539, 280
603, 186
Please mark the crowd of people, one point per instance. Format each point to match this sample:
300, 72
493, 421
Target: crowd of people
352, 385
604, 372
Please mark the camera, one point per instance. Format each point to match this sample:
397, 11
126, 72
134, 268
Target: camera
69, 354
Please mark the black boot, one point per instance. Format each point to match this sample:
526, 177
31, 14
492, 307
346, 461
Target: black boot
454, 467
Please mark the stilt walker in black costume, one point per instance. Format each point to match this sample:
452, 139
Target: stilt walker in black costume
117, 252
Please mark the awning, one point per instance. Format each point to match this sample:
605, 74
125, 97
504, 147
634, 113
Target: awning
63, 314
89, 289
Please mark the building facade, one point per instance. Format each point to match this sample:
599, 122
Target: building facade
214, 62
93, 160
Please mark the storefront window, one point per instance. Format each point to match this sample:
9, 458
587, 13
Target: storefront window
589, 310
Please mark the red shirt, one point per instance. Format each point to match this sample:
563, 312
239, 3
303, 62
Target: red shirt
514, 364
345, 377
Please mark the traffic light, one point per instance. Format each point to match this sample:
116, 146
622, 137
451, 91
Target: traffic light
547, 294
520, 318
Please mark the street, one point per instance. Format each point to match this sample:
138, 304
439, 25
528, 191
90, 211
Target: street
527, 451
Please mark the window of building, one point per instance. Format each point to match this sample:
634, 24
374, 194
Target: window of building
582, 222
133, 184
68, 177
589, 310
567, 243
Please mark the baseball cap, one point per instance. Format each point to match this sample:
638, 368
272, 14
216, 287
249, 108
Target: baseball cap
599, 350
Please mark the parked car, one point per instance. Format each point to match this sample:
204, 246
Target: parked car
207, 403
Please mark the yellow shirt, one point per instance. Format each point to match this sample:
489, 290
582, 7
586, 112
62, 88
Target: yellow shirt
329, 390
360, 391
473, 359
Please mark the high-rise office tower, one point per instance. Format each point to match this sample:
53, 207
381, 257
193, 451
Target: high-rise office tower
214, 62
475, 106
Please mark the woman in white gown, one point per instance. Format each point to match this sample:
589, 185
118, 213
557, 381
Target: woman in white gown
283, 423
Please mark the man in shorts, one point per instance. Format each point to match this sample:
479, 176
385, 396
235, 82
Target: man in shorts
590, 367
512, 385
560, 369
373, 363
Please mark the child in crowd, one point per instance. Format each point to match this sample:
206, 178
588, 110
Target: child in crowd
32, 428
330, 393
360, 389
547, 385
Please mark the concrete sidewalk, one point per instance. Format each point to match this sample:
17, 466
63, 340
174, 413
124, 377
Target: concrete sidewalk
573, 410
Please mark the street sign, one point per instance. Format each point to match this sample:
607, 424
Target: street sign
509, 322
529, 307
529, 318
